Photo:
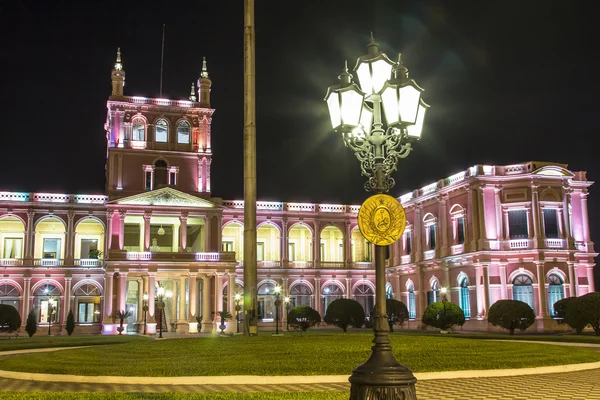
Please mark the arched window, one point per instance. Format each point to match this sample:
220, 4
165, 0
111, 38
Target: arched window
330, 293
434, 294
9, 294
389, 292
412, 306
364, 295
183, 132
87, 303
43, 295
161, 134
266, 302
556, 292
160, 174
465, 299
138, 132
523, 290
300, 295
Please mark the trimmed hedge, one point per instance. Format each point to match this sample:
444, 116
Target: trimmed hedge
345, 312
511, 315
443, 316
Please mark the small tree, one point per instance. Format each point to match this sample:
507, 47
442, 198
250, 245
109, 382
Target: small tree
31, 324
10, 320
443, 315
70, 327
590, 307
511, 315
568, 311
397, 312
345, 312
121, 316
304, 317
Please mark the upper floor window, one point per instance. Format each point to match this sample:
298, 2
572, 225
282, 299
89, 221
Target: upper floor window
517, 224
408, 242
431, 230
160, 174
460, 226
429, 221
183, 132
550, 223
139, 131
161, 131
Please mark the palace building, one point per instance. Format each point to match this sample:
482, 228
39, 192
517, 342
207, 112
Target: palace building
487, 233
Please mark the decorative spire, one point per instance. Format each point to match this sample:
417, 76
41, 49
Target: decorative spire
400, 71
204, 73
193, 93
345, 77
118, 65
373, 47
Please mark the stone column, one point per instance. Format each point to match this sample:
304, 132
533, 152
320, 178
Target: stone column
183, 231
207, 229
479, 291
443, 217
193, 301
317, 245
70, 241
318, 296
206, 320
417, 238
218, 306
348, 245
122, 214
486, 288
67, 299
535, 209
503, 287
572, 283
182, 314
542, 299
26, 299
151, 296
567, 222
122, 291
109, 231
529, 223
348, 290
29, 240
483, 236
284, 243
585, 223
472, 218
498, 204
421, 292
219, 233
447, 282
108, 297
231, 293
590, 277
175, 247
140, 305
506, 225
147, 218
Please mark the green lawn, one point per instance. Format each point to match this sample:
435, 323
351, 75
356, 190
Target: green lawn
341, 395
327, 354
37, 342
584, 338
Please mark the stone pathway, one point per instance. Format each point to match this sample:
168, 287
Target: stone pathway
581, 385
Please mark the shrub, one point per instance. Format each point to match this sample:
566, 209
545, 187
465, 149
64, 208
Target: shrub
397, 312
511, 315
568, 311
590, 307
345, 312
303, 317
443, 316
31, 324
10, 320
70, 326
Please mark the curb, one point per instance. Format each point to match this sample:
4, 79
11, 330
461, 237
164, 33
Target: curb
284, 380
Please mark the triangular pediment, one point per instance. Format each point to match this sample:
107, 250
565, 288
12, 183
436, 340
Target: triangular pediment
553, 170
165, 197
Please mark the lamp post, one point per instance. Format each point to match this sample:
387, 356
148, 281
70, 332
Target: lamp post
161, 294
356, 112
50, 311
145, 308
286, 301
238, 297
277, 305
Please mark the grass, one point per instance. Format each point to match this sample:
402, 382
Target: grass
326, 354
337, 395
38, 342
584, 338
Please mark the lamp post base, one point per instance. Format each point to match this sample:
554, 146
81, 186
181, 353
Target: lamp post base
382, 377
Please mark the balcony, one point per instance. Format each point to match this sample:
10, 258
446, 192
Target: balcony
11, 262
429, 254
362, 265
457, 249
88, 262
405, 259
48, 262
332, 264
300, 264
123, 255
268, 264
554, 243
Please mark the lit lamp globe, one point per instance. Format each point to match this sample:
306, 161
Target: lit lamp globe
373, 69
345, 101
403, 106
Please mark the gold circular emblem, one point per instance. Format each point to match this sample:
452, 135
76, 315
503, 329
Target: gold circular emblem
381, 219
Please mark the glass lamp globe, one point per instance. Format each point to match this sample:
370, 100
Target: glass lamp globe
345, 102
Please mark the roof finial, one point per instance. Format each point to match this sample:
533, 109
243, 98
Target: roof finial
204, 73
193, 93
400, 71
118, 65
345, 77
373, 47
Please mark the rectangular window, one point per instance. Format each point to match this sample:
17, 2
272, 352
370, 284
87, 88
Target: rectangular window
432, 237
292, 251
148, 180
88, 312
260, 251
183, 134
89, 248
161, 133
138, 132
550, 224
172, 178
408, 243
323, 252
412, 307
461, 230
517, 224
227, 246
13, 248
51, 248
430, 297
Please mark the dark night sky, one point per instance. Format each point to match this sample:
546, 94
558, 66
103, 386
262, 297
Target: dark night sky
507, 81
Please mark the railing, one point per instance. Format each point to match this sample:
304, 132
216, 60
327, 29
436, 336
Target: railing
174, 257
362, 264
554, 243
14, 196
429, 254
458, 248
268, 263
48, 262
405, 259
139, 255
518, 243
207, 257
301, 264
159, 102
11, 262
332, 264
88, 262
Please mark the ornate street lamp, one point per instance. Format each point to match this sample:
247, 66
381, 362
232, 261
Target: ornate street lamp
286, 301
277, 305
51, 303
238, 298
161, 294
145, 308
356, 112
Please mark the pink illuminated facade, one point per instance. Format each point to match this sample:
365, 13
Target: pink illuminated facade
487, 233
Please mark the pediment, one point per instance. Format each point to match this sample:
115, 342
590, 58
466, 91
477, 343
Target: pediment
165, 197
553, 170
